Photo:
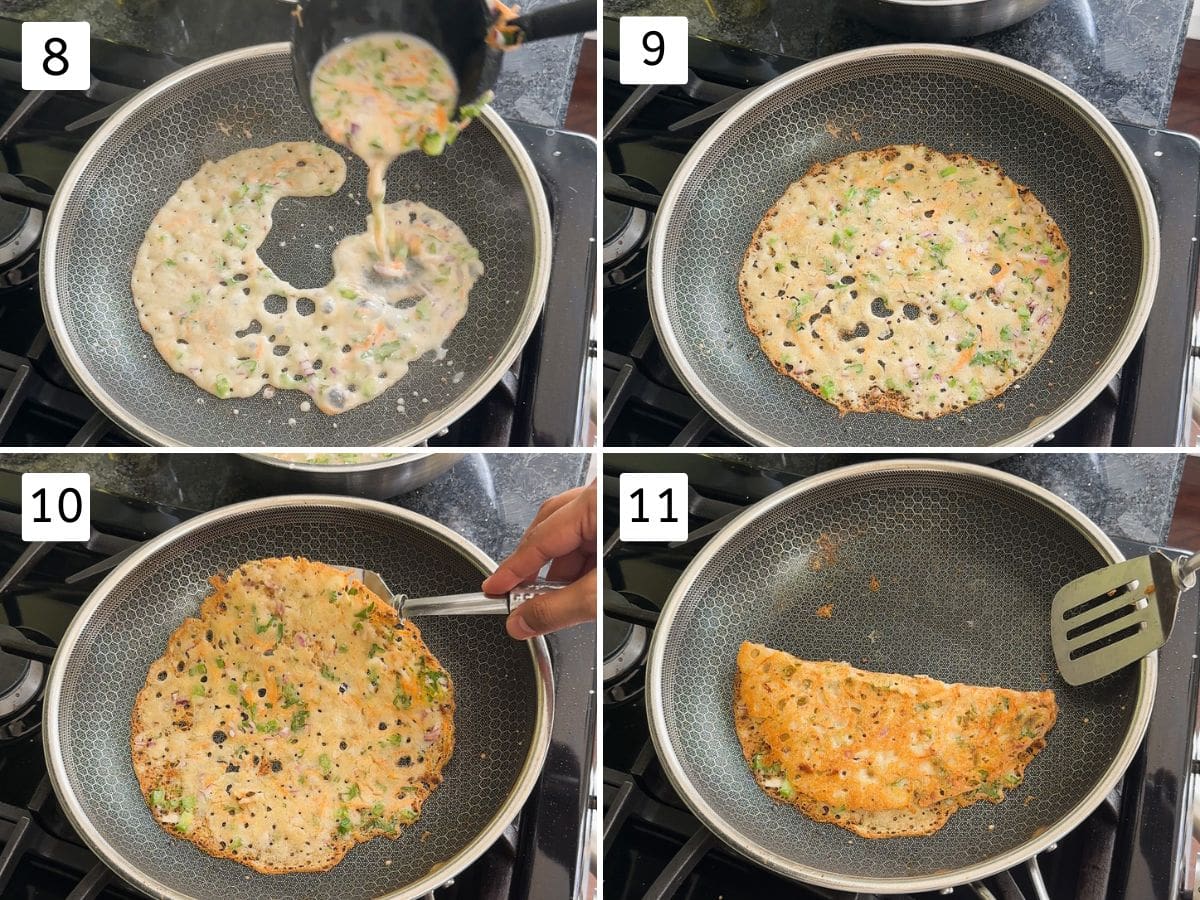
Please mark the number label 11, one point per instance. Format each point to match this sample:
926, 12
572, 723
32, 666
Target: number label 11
56, 506
654, 506
654, 50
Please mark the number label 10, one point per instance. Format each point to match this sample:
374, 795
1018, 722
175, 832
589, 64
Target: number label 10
56, 56
654, 49
56, 506
654, 506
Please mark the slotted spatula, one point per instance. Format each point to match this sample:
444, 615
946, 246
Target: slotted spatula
1107, 619
473, 604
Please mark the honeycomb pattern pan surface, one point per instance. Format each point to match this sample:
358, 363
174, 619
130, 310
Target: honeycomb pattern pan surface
953, 99
503, 689
967, 561
486, 183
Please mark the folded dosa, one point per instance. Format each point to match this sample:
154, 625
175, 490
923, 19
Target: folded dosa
883, 755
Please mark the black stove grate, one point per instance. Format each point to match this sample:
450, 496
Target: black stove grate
1133, 847
648, 131
539, 400
43, 858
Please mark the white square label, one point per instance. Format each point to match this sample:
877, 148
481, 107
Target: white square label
56, 56
56, 506
654, 49
654, 506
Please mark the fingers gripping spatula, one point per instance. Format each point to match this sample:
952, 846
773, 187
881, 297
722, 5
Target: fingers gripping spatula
1107, 619
472, 604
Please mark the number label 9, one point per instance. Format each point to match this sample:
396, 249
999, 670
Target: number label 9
56, 506
654, 506
653, 42
654, 49
56, 56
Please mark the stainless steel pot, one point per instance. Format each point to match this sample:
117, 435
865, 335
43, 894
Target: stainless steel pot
940, 20
377, 479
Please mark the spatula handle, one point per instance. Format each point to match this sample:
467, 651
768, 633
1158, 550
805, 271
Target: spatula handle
1185, 569
476, 603
473, 604
525, 592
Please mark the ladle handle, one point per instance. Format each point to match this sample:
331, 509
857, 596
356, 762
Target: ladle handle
572, 17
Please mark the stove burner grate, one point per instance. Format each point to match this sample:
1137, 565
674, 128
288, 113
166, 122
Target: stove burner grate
624, 648
22, 681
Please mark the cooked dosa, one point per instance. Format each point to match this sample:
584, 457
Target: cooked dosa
905, 280
294, 718
882, 755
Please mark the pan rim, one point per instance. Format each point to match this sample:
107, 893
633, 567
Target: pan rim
311, 468
944, 4
534, 302
527, 777
1117, 145
715, 822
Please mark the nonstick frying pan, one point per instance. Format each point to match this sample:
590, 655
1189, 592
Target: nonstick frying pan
954, 99
967, 561
248, 98
503, 692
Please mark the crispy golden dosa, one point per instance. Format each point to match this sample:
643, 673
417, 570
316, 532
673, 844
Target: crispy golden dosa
881, 755
296, 717
905, 280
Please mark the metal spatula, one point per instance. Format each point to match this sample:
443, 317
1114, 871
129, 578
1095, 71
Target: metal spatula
473, 604
1103, 621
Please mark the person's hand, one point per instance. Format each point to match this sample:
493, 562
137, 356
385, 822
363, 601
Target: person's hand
563, 533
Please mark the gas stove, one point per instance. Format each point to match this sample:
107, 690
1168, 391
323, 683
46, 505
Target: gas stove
543, 853
538, 402
649, 129
1135, 846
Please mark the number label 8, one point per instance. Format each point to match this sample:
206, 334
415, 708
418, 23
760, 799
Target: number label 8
56, 56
